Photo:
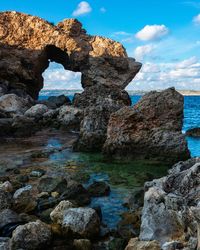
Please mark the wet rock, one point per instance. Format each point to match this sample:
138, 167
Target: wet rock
58, 101
5, 200
150, 129
194, 132
82, 244
81, 221
9, 220
70, 117
6, 186
99, 188
36, 111
37, 173
135, 244
13, 104
24, 199
58, 212
33, 235
51, 184
4, 243
77, 193
170, 204
23, 126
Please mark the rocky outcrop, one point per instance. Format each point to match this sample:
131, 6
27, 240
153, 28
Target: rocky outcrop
29, 42
172, 206
98, 102
152, 128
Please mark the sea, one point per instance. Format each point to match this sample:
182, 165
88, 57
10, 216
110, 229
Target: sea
191, 113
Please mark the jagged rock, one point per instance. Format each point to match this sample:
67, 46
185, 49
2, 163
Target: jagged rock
36, 111
14, 104
150, 129
33, 235
29, 42
81, 221
24, 199
58, 212
135, 244
70, 117
169, 204
99, 103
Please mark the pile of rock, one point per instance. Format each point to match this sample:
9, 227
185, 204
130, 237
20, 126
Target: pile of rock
171, 211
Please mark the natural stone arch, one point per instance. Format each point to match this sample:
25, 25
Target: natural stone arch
27, 38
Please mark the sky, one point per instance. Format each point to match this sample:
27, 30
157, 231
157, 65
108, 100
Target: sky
164, 35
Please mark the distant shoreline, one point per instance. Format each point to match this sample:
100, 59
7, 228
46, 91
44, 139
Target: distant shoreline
72, 91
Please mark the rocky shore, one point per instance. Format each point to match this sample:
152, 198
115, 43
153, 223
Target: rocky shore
46, 205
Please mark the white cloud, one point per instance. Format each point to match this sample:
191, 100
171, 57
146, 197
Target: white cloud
56, 77
152, 32
196, 19
141, 51
103, 10
182, 75
82, 8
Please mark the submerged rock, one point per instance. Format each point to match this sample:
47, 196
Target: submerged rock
195, 132
150, 129
33, 235
170, 203
99, 188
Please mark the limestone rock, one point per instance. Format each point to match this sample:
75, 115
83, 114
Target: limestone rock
152, 128
58, 212
33, 235
13, 104
81, 221
135, 244
170, 204
29, 42
37, 111
70, 117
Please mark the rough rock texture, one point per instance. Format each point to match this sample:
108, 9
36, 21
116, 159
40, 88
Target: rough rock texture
171, 209
194, 132
33, 235
81, 221
98, 102
151, 128
135, 244
29, 42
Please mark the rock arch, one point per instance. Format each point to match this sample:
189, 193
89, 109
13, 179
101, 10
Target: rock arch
28, 42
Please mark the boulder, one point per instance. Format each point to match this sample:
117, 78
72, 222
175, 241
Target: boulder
58, 212
33, 235
135, 244
24, 199
150, 129
14, 104
70, 117
170, 204
81, 221
67, 43
51, 184
98, 189
36, 111
99, 102
57, 101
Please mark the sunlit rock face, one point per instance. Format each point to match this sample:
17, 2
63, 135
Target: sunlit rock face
28, 43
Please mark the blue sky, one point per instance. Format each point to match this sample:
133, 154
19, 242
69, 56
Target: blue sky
162, 34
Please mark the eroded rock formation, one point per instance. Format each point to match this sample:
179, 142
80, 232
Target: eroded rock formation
152, 128
28, 43
171, 209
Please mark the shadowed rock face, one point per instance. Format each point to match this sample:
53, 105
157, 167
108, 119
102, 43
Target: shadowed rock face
28, 43
152, 128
